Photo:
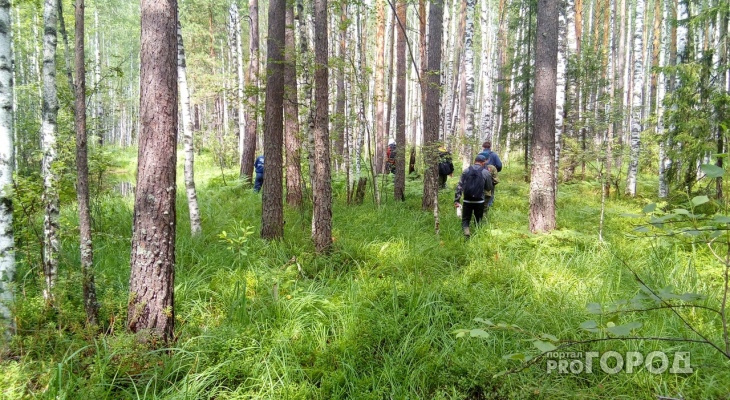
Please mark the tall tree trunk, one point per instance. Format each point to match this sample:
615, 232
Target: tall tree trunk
49, 129
272, 214
432, 97
470, 139
7, 166
238, 52
561, 80
321, 186
187, 125
381, 140
400, 106
98, 106
542, 186
637, 90
91, 306
339, 125
151, 306
252, 85
291, 116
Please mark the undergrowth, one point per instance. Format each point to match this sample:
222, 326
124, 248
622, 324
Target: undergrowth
375, 319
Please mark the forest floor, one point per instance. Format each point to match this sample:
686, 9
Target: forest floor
380, 317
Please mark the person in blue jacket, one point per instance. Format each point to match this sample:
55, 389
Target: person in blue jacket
493, 160
259, 167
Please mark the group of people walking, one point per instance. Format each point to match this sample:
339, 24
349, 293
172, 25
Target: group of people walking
476, 184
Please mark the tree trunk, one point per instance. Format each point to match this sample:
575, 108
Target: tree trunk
252, 86
238, 52
339, 119
187, 124
542, 186
291, 117
322, 186
467, 111
98, 107
637, 90
272, 214
49, 129
7, 166
432, 97
82, 171
561, 80
151, 284
400, 103
381, 140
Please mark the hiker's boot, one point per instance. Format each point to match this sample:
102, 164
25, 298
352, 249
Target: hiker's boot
467, 233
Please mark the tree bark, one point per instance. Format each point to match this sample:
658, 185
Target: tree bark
252, 85
381, 140
636, 104
272, 214
400, 103
187, 124
291, 117
432, 97
542, 186
91, 306
321, 186
238, 52
49, 129
339, 119
151, 285
7, 166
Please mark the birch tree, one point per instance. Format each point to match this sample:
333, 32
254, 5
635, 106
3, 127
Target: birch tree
636, 103
238, 54
542, 186
49, 131
381, 139
7, 166
151, 284
187, 125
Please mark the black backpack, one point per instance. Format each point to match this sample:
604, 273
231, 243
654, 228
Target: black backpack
474, 184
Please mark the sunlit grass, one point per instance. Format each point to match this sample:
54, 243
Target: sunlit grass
372, 320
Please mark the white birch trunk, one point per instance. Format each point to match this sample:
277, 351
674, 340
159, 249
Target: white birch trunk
48, 138
636, 104
561, 76
97, 109
7, 252
485, 78
664, 161
469, 134
236, 20
187, 123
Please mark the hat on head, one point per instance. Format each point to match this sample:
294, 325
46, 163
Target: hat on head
391, 141
480, 158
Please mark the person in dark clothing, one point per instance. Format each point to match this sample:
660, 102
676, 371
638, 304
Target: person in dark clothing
493, 160
259, 167
476, 185
391, 157
446, 167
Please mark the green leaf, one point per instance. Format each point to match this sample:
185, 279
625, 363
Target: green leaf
623, 330
712, 171
593, 308
641, 229
691, 297
478, 333
649, 208
699, 200
549, 337
460, 333
514, 356
484, 321
722, 219
544, 347
590, 326
680, 211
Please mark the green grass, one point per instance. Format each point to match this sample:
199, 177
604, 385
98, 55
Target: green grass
376, 318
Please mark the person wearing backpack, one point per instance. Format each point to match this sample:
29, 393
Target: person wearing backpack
494, 164
446, 166
259, 167
476, 186
390, 154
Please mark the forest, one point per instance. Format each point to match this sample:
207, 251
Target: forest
234, 199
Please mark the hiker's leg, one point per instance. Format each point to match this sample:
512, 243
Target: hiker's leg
259, 181
478, 213
442, 181
491, 199
466, 215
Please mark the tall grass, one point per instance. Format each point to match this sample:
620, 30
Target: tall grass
372, 320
